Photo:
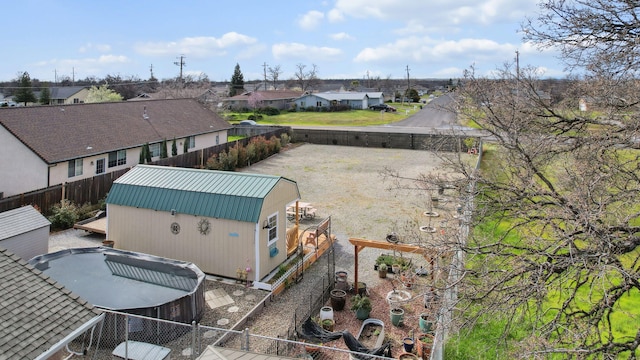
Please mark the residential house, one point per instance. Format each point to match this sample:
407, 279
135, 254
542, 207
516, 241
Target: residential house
354, 100
61, 95
279, 99
39, 317
42, 146
224, 222
24, 232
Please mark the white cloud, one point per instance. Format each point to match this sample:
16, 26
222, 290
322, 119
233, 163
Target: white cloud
341, 36
438, 13
335, 15
306, 52
201, 46
310, 20
98, 47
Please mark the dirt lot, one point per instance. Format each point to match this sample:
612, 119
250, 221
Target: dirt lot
346, 183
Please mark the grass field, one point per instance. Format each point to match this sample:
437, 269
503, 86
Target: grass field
340, 118
486, 339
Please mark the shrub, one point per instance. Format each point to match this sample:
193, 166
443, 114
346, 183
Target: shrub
274, 145
86, 211
284, 139
271, 111
213, 163
63, 215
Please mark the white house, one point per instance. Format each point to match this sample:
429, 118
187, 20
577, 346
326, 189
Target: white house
42, 146
221, 221
353, 100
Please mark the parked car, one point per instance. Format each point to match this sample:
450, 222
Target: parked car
382, 107
247, 122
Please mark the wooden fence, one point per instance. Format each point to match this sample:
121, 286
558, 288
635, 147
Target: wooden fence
92, 190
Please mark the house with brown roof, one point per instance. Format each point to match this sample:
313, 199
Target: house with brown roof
39, 316
42, 146
279, 99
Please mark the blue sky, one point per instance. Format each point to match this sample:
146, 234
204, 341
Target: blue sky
344, 38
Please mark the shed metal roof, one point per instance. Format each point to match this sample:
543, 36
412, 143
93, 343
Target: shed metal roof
21, 220
216, 194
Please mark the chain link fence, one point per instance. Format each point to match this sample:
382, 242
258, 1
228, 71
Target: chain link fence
130, 336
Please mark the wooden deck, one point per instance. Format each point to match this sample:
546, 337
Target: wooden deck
96, 225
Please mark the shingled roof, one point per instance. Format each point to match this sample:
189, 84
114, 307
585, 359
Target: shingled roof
37, 314
60, 133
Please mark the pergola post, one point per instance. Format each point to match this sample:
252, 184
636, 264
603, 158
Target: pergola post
360, 244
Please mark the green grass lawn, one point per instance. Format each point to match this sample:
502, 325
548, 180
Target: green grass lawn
485, 336
340, 118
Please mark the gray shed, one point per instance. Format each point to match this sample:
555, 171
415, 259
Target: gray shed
24, 232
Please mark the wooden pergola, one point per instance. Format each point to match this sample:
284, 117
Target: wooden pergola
360, 244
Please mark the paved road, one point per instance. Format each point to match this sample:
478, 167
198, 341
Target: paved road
437, 113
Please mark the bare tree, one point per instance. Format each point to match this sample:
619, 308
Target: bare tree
273, 74
306, 80
554, 254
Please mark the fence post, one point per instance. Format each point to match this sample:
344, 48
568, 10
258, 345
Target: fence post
246, 339
194, 328
126, 336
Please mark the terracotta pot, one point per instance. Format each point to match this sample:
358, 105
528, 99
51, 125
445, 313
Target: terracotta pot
424, 343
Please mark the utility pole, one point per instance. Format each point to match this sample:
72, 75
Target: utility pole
55, 76
264, 68
408, 85
73, 76
180, 63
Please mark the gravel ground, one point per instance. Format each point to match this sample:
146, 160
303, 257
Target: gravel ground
345, 183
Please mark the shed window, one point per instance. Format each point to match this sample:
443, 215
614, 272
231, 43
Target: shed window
272, 224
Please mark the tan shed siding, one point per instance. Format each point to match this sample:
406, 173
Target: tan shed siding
283, 193
228, 246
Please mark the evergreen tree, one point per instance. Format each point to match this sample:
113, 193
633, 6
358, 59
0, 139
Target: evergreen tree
185, 147
237, 82
163, 149
45, 95
141, 159
24, 94
174, 148
147, 153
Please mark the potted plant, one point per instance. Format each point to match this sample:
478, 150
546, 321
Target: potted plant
328, 324
397, 314
361, 304
424, 345
382, 271
396, 268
